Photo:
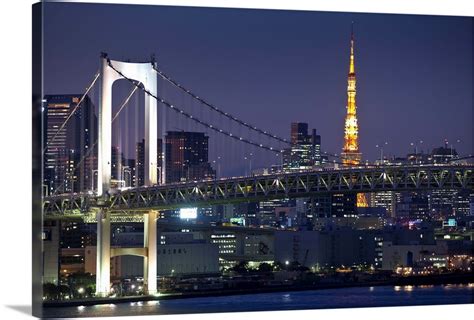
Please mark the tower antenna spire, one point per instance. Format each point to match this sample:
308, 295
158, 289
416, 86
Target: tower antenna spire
351, 155
352, 31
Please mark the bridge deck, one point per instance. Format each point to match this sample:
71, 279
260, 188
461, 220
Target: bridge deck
258, 187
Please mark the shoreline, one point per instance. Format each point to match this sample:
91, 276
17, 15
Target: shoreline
399, 281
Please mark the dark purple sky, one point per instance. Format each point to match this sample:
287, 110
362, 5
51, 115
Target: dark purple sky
414, 73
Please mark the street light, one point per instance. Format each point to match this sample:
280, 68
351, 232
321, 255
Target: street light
381, 150
281, 159
218, 166
458, 141
250, 162
415, 145
246, 173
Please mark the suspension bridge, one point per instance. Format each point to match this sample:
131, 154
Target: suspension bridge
107, 203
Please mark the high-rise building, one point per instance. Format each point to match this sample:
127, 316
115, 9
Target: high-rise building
305, 150
413, 205
117, 163
268, 209
299, 133
343, 205
449, 202
187, 156
305, 154
351, 156
70, 149
129, 173
384, 199
140, 162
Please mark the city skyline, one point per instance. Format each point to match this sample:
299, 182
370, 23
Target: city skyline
224, 152
322, 95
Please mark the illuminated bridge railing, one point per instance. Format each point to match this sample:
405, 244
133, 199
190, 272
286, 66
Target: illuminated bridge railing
284, 185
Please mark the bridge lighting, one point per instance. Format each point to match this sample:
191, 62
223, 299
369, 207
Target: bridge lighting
188, 213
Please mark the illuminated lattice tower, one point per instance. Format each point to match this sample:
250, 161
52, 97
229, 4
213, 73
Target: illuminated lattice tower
350, 152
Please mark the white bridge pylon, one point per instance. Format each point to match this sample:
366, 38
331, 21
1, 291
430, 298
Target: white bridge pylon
145, 74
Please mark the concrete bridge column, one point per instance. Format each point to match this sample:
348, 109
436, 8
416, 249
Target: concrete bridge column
150, 242
103, 254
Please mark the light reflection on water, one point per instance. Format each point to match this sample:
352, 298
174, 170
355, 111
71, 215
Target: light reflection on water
326, 298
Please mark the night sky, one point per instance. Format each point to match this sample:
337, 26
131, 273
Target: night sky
414, 73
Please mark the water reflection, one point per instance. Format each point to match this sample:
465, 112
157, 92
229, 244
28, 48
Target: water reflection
287, 298
327, 298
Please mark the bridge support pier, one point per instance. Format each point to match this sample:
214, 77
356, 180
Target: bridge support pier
150, 242
103, 254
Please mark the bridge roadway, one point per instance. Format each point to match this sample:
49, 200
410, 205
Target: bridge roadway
270, 186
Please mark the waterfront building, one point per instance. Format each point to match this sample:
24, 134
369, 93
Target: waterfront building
51, 249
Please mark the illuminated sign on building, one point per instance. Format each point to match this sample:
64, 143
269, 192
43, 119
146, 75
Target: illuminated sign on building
188, 213
238, 221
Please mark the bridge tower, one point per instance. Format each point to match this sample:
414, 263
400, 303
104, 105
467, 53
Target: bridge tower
145, 74
351, 156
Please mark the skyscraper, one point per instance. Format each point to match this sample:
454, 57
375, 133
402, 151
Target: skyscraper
187, 156
70, 153
299, 133
140, 162
350, 152
305, 150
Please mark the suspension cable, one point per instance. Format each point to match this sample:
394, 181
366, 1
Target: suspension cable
225, 114
190, 116
211, 106
125, 102
78, 105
